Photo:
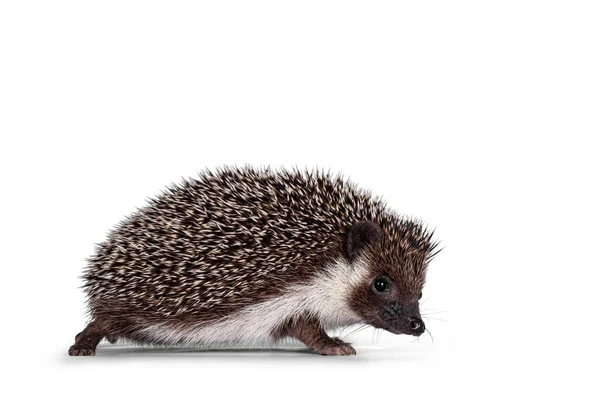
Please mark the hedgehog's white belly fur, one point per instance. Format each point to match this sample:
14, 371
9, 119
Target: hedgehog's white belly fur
325, 297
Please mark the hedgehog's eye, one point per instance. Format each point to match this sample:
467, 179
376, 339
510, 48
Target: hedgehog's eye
382, 284
420, 295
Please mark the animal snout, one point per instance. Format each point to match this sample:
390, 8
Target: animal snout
416, 325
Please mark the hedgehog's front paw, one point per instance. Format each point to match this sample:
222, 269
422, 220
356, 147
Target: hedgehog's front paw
340, 348
74, 351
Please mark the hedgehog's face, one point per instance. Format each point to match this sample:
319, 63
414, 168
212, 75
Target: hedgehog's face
389, 296
383, 303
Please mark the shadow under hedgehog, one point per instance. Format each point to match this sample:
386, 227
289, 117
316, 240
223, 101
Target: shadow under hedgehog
247, 255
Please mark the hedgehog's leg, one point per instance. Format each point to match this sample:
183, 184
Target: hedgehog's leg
311, 333
87, 340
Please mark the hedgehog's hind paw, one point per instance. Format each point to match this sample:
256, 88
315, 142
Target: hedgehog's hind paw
74, 351
86, 341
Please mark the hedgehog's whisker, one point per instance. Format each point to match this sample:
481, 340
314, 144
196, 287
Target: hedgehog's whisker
432, 311
356, 330
342, 331
430, 335
434, 318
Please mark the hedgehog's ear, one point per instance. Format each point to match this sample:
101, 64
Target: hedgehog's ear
361, 234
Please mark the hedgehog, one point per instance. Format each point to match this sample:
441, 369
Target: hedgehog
245, 255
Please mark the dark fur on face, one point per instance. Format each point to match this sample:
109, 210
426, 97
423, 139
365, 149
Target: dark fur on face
397, 258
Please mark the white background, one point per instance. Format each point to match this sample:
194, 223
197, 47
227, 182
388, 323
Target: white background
479, 117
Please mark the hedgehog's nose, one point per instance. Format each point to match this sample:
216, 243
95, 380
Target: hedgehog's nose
416, 325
